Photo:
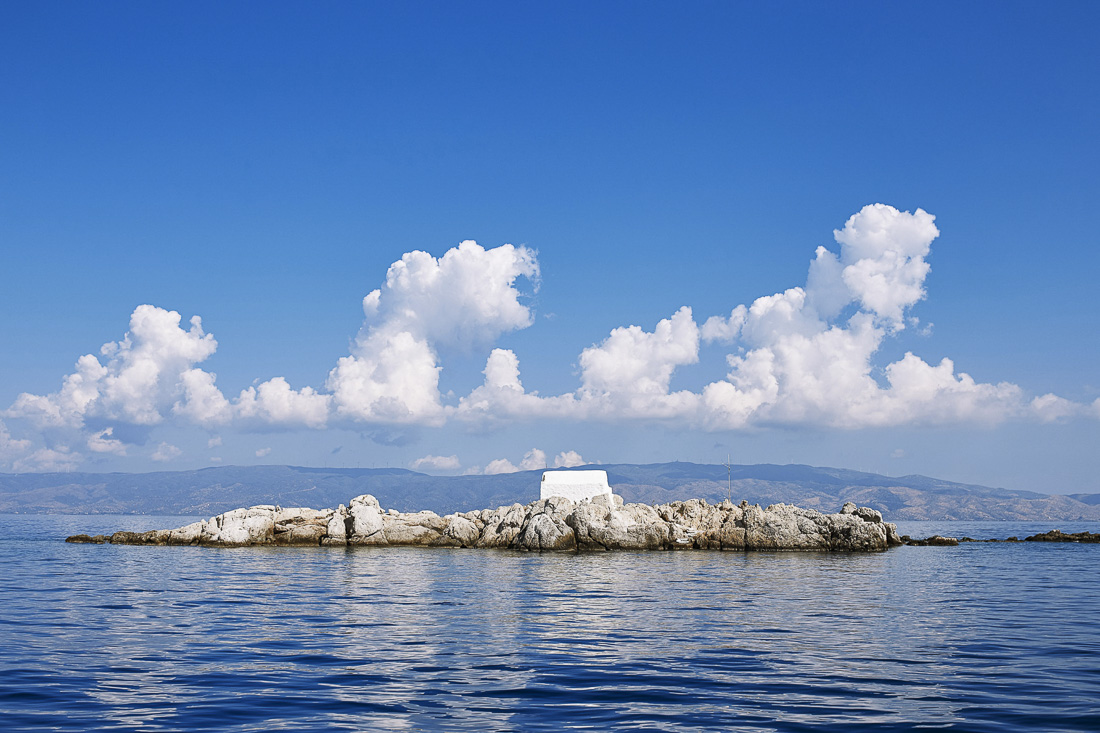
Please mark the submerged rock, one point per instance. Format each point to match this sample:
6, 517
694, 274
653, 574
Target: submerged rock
555, 524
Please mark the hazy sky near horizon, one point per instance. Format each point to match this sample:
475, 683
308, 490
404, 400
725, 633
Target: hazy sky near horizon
467, 237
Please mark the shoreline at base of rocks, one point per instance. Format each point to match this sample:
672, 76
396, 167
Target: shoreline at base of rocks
549, 525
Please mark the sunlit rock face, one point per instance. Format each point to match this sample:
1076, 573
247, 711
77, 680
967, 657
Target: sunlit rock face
301, 526
252, 526
576, 486
553, 524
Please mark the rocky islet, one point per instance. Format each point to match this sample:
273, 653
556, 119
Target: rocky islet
555, 524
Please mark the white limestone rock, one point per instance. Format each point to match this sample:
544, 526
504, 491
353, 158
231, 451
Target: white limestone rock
239, 527
460, 531
633, 527
301, 525
187, 535
699, 525
420, 528
366, 521
782, 526
545, 528
614, 501
336, 531
503, 526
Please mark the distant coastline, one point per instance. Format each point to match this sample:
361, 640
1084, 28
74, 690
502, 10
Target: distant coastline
210, 491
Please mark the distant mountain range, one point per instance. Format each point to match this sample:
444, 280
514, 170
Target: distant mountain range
211, 491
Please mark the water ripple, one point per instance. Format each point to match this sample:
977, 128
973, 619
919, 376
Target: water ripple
977, 637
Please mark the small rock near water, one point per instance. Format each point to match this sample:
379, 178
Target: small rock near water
1055, 535
933, 541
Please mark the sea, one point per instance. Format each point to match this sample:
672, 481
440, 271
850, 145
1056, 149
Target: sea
978, 637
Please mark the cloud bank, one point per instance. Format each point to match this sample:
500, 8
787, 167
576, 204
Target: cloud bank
801, 357
804, 356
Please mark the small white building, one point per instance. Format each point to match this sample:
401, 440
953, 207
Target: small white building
575, 485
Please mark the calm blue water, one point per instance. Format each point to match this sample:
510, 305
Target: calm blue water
977, 637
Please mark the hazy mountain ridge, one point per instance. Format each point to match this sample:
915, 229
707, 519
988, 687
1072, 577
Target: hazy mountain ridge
214, 490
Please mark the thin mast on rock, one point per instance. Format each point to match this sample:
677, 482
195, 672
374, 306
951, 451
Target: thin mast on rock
729, 479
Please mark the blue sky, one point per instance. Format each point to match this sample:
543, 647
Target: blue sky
263, 167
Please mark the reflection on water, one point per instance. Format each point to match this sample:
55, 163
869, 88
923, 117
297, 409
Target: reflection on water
983, 637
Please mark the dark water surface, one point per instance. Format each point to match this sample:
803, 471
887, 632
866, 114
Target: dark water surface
977, 637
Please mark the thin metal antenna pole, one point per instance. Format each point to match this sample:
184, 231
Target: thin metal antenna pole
729, 479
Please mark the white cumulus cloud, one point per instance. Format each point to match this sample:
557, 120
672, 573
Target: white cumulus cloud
501, 397
11, 447
807, 353
166, 452
102, 442
1052, 408
569, 459
201, 401
138, 379
275, 403
881, 264
533, 460
464, 298
48, 460
436, 463
629, 373
500, 465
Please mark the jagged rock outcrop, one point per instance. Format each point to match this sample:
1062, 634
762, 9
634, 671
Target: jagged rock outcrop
601, 525
550, 525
